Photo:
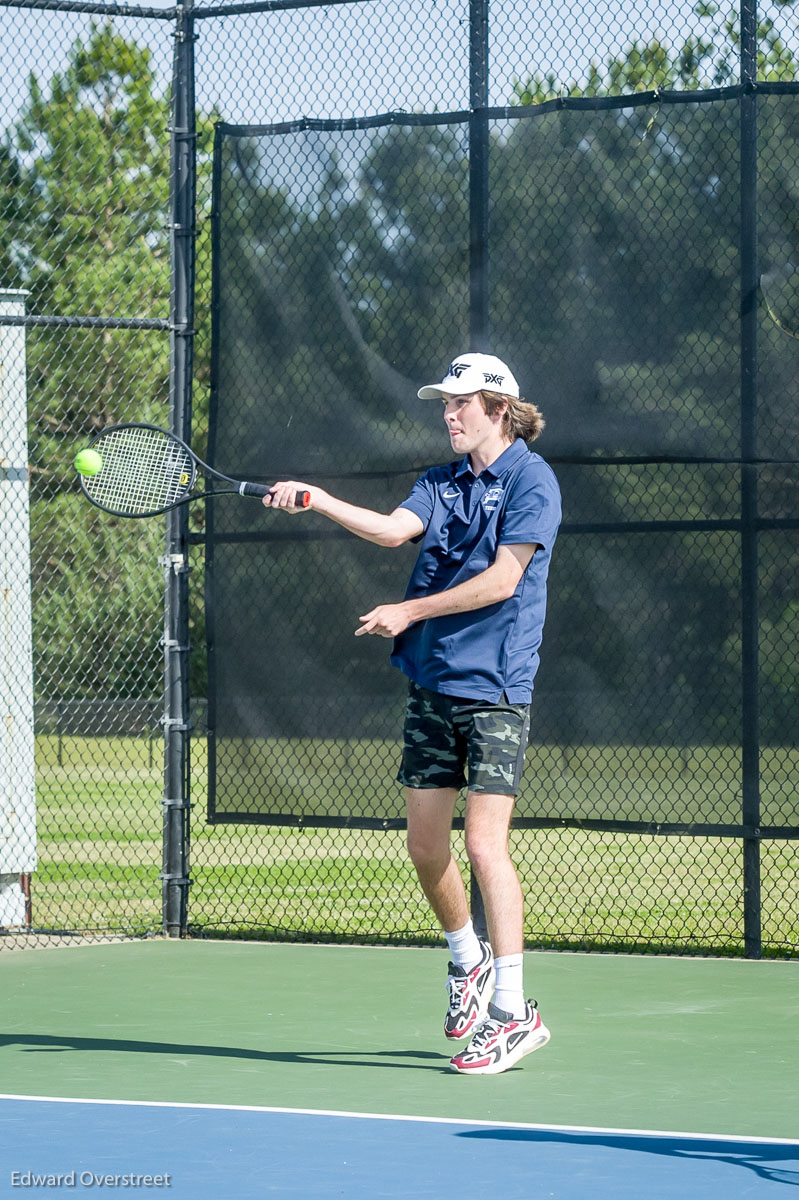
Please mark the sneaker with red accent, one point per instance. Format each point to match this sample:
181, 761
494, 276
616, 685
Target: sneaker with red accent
469, 995
500, 1041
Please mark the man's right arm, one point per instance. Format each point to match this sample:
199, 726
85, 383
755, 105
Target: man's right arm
384, 529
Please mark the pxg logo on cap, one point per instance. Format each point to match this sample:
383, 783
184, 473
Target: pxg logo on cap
473, 373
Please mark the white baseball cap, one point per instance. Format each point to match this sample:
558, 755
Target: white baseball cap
473, 373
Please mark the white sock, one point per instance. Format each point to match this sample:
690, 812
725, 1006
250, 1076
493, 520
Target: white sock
509, 987
464, 946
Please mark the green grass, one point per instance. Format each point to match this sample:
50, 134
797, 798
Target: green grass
99, 847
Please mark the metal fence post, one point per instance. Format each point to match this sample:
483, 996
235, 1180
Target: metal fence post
479, 325
175, 874
750, 708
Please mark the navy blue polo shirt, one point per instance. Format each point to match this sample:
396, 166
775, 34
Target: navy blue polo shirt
488, 651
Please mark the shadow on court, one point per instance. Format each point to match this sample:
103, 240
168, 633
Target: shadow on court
416, 1060
763, 1159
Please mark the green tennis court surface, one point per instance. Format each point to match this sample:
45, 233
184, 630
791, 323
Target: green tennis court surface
693, 1045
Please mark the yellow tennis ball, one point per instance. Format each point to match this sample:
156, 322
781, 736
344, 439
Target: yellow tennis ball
88, 462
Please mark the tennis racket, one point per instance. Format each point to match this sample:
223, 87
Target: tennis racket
146, 471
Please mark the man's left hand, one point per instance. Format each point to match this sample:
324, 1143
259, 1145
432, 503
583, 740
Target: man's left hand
387, 620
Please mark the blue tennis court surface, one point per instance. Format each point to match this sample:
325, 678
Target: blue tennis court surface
207, 1152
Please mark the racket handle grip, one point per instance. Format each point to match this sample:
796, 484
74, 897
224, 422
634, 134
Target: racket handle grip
301, 499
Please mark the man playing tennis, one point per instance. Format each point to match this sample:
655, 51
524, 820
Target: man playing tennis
467, 635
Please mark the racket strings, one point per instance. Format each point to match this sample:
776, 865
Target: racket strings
144, 470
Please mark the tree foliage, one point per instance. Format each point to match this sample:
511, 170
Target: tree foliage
85, 227
614, 292
709, 59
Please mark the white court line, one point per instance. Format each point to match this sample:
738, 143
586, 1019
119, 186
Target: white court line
327, 1112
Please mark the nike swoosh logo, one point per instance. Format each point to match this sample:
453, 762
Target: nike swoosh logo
451, 495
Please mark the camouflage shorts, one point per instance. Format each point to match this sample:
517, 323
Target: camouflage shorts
446, 737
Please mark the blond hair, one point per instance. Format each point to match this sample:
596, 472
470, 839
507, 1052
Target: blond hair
520, 420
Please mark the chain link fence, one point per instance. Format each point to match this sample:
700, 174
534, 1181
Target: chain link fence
616, 274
